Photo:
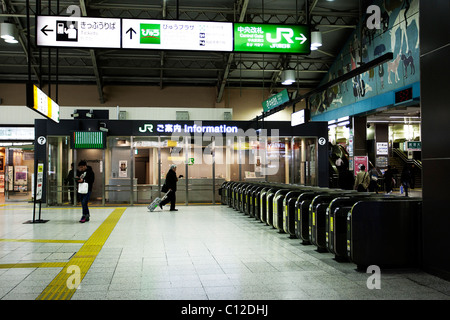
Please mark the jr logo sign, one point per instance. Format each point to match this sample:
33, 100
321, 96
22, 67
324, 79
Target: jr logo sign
150, 33
286, 33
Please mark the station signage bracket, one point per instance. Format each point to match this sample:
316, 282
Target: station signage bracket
123, 33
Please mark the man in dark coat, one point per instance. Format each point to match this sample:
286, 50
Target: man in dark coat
171, 183
87, 175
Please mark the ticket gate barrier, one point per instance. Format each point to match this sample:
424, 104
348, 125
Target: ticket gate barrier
385, 232
289, 212
277, 210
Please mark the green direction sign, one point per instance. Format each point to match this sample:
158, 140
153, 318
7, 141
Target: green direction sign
294, 39
414, 145
275, 100
190, 161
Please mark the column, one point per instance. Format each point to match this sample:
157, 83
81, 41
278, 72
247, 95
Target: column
434, 71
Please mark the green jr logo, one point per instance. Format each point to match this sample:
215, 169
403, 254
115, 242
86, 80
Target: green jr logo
150, 33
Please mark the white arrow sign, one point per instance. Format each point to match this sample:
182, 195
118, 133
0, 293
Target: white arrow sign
62, 31
302, 38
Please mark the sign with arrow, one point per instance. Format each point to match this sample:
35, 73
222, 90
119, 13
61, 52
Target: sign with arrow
87, 32
272, 38
177, 35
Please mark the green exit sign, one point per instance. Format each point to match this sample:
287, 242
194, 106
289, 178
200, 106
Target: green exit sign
272, 38
88, 140
275, 100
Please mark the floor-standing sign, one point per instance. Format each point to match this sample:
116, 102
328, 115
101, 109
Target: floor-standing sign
38, 189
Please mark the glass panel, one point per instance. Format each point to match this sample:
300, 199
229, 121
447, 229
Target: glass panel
200, 169
59, 161
119, 171
278, 150
94, 159
173, 152
146, 168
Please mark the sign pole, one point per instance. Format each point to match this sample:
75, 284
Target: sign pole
38, 189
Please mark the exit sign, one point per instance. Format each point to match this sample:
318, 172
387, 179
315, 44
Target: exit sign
272, 38
88, 140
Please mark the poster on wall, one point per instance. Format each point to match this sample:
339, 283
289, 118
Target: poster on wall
2, 183
20, 178
358, 161
123, 169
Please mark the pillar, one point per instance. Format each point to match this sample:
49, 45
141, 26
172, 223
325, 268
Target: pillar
434, 71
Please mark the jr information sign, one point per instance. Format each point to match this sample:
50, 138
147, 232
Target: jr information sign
272, 38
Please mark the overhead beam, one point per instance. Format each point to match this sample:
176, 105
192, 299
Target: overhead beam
98, 77
230, 57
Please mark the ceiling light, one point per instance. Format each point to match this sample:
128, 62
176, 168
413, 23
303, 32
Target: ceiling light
316, 40
287, 77
7, 30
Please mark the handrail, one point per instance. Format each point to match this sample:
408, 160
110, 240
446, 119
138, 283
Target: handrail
402, 156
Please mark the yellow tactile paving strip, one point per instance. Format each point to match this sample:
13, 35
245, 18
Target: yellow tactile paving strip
60, 287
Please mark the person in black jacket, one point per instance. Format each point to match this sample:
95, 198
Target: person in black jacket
86, 175
171, 183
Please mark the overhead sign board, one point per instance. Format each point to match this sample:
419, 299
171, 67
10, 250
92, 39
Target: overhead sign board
177, 35
61, 31
294, 39
414, 145
44, 105
299, 117
275, 100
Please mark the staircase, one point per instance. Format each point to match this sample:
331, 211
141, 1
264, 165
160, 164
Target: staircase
399, 160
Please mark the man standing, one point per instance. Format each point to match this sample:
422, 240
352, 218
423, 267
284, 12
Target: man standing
88, 176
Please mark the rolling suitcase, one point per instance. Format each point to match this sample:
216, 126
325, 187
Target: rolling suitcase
155, 203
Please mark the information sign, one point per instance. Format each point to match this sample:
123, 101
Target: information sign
44, 105
88, 140
87, 32
177, 35
294, 39
275, 100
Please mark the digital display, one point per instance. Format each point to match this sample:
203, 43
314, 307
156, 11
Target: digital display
88, 140
177, 35
294, 39
403, 95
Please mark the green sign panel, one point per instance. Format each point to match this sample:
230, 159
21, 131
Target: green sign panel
150, 33
191, 161
414, 145
88, 140
275, 100
294, 39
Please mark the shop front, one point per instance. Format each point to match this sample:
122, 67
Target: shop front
16, 163
132, 157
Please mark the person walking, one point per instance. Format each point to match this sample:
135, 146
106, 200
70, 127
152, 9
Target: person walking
171, 183
362, 180
388, 177
88, 176
406, 179
373, 185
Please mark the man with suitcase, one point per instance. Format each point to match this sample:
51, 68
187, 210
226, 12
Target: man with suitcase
171, 183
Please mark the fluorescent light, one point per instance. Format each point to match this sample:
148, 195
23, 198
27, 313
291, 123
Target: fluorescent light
7, 30
316, 39
287, 77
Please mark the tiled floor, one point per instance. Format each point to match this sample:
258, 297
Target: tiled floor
197, 253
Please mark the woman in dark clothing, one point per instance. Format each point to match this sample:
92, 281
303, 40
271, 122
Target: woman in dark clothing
86, 175
171, 183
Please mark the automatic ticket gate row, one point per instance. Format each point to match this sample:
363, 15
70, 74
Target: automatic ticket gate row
364, 228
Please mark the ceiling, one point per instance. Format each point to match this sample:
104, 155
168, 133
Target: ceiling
103, 67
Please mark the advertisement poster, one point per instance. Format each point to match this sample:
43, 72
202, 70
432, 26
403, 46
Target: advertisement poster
123, 168
359, 161
20, 178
